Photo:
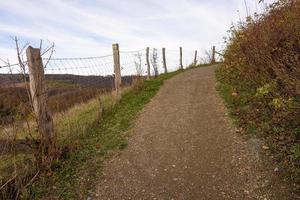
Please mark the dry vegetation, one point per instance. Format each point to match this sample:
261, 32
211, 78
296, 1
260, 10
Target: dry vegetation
75, 104
260, 81
64, 91
18, 167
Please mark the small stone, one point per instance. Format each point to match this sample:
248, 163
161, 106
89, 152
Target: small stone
173, 166
276, 169
265, 147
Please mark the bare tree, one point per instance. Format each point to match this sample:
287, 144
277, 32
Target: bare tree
46, 145
207, 58
138, 64
20, 122
154, 60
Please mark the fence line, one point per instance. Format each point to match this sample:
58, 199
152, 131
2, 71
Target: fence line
101, 72
36, 100
127, 57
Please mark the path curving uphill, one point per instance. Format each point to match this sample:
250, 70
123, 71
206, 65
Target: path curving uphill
183, 146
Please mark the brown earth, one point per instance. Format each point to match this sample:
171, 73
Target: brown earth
183, 146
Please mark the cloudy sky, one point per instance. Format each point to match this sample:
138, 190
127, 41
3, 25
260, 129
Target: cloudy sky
88, 27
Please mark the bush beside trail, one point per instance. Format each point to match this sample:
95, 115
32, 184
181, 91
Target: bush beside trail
260, 81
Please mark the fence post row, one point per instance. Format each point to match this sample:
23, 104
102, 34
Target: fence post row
148, 63
117, 71
180, 61
164, 59
195, 58
39, 96
213, 60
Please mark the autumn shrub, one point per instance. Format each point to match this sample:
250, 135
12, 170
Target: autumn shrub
260, 80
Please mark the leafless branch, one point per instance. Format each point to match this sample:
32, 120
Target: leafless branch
51, 50
23, 48
9, 180
41, 44
138, 64
32, 179
23, 67
6, 63
153, 60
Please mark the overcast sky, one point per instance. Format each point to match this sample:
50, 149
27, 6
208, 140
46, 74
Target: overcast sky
88, 27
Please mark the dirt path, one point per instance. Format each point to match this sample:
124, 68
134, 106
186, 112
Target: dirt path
184, 147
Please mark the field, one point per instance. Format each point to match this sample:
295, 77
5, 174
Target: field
64, 91
75, 105
78, 130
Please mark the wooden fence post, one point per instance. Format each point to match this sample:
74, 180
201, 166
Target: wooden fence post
180, 61
195, 58
117, 70
148, 63
213, 58
39, 97
164, 59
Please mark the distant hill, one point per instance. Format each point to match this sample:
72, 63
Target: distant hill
64, 91
8, 80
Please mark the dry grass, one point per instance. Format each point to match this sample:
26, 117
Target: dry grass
260, 81
18, 158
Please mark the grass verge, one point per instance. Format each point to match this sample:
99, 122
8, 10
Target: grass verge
75, 174
260, 82
250, 113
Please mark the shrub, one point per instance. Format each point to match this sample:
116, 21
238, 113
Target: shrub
262, 65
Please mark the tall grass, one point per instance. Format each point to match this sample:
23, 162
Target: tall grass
18, 167
86, 132
75, 175
260, 80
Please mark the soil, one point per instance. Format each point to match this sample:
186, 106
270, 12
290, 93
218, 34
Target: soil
184, 146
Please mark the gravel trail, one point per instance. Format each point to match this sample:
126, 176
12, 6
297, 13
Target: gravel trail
184, 147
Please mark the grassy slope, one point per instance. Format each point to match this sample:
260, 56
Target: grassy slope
75, 175
259, 81
258, 125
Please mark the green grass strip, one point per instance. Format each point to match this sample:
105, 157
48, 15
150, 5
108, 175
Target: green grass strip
75, 175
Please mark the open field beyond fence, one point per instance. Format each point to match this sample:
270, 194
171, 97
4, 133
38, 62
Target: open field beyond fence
46, 102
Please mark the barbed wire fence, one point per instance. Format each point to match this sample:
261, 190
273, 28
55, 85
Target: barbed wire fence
44, 97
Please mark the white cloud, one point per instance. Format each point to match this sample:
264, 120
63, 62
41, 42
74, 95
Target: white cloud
82, 28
